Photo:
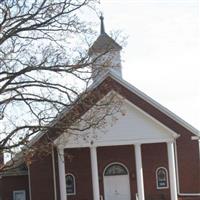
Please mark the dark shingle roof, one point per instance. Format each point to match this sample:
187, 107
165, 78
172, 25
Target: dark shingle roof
103, 44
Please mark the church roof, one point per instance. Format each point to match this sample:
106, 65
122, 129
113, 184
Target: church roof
108, 82
104, 43
111, 81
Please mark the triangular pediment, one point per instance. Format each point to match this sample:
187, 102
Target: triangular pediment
127, 126
111, 82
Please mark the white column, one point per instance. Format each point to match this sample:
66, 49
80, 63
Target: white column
172, 171
95, 175
61, 168
139, 172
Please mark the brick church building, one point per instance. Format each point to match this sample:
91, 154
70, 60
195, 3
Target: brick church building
148, 153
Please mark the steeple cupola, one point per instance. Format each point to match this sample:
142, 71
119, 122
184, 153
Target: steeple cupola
105, 54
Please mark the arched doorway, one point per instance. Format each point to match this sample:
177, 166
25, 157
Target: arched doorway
116, 182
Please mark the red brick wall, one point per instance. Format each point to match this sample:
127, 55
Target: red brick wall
9, 184
41, 173
78, 163
189, 165
154, 156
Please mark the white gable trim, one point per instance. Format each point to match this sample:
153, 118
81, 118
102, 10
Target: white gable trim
133, 89
174, 134
114, 143
62, 140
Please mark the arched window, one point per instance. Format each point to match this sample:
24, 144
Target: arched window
70, 184
162, 178
115, 169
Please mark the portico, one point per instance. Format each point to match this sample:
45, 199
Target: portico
146, 130
139, 172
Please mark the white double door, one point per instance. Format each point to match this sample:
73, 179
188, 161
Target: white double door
117, 187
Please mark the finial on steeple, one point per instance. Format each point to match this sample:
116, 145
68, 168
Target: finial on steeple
102, 31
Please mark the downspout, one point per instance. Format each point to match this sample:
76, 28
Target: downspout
29, 182
177, 177
199, 148
54, 173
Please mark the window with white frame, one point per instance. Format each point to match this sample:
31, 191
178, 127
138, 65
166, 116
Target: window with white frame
19, 195
162, 178
70, 184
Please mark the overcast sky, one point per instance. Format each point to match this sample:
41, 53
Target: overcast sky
162, 56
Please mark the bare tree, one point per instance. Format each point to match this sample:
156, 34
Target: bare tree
41, 74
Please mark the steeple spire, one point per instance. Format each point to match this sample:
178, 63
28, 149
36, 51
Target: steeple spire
105, 53
102, 31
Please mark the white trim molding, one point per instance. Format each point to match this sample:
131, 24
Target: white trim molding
172, 171
95, 174
120, 142
61, 169
139, 172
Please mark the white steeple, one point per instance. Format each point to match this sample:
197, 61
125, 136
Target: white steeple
105, 54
